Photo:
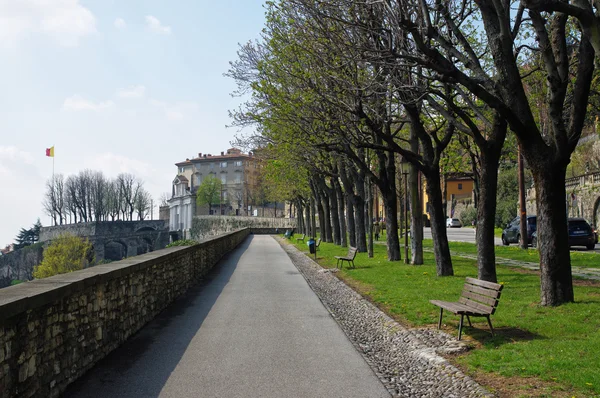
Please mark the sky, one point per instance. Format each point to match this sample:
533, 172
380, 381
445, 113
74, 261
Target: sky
116, 86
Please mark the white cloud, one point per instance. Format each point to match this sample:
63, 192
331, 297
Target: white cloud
13, 154
154, 24
78, 103
132, 92
120, 23
176, 111
112, 164
66, 21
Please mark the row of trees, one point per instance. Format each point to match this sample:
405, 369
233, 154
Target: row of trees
90, 196
341, 88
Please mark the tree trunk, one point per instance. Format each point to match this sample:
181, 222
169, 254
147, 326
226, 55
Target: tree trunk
486, 211
552, 235
369, 217
359, 213
313, 219
350, 220
307, 210
335, 220
327, 216
320, 209
438, 224
341, 217
416, 206
387, 187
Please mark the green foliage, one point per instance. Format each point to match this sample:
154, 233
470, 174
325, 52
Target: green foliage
209, 192
182, 242
27, 237
507, 198
528, 342
15, 282
468, 215
67, 253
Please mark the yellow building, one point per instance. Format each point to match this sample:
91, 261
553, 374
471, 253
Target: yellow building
459, 188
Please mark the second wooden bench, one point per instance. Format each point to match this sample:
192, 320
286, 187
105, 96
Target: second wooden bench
478, 298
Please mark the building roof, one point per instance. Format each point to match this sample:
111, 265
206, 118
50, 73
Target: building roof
231, 153
459, 176
181, 178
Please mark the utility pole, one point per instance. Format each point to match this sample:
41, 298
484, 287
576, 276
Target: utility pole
524, 243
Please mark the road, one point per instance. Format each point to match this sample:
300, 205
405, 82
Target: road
253, 329
460, 235
468, 235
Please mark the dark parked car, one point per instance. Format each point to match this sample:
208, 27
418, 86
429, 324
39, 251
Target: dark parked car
512, 232
580, 234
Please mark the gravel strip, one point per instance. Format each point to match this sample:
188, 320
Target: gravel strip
406, 361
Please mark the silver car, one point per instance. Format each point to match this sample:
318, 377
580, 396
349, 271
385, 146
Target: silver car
453, 223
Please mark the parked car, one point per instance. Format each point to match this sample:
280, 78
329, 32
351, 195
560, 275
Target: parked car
453, 222
580, 234
512, 232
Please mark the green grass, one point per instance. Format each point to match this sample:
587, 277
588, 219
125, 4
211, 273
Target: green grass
559, 345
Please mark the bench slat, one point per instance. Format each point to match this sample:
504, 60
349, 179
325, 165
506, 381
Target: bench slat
489, 285
482, 291
478, 297
486, 309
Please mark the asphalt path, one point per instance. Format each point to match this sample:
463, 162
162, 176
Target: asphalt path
254, 328
460, 235
468, 235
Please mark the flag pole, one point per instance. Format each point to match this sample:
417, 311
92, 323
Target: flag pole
53, 192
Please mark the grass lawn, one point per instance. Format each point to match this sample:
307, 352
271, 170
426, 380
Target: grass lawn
540, 351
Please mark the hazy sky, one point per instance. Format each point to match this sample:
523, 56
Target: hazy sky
115, 85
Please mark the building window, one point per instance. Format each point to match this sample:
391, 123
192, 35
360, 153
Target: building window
223, 178
181, 169
212, 165
238, 178
238, 163
198, 179
224, 196
223, 165
459, 186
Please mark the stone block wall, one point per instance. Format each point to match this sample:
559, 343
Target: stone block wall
206, 226
53, 330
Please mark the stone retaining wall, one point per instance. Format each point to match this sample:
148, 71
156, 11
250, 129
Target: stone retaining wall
18, 265
53, 330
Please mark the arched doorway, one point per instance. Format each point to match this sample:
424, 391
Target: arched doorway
115, 250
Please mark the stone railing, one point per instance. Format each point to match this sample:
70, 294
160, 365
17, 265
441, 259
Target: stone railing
53, 330
580, 181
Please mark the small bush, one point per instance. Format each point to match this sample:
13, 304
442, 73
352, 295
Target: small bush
183, 242
468, 215
67, 253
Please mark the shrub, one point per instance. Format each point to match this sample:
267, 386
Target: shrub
67, 253
183, 242
506, 211
468, 215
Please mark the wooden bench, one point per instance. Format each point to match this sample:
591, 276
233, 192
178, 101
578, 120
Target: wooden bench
301, 238
479, 298
348, 257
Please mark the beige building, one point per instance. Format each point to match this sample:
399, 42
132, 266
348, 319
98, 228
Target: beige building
238, 173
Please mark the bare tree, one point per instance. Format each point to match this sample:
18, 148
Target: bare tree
143, 202
54, 199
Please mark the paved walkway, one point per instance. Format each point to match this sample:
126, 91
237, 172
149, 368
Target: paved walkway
253, 329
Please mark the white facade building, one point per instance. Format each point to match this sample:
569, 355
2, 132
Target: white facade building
182, 207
